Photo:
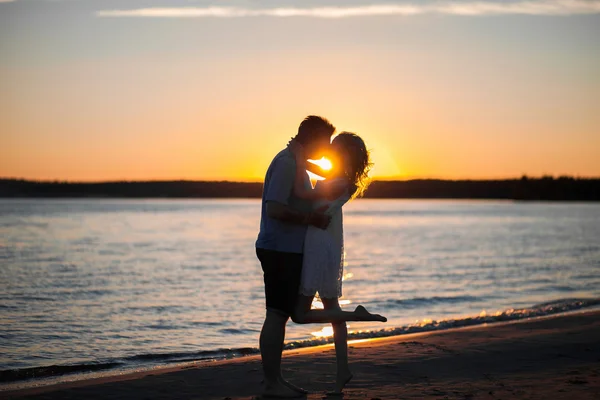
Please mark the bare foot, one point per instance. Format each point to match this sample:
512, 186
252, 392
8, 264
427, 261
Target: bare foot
280, 391
367, 316
293, 387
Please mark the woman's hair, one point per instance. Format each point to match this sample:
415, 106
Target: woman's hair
359, 160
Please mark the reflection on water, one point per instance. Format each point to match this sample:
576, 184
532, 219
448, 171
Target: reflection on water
104, 281
324, 332
317, 304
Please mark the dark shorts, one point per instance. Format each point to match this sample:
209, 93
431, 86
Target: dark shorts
282, 273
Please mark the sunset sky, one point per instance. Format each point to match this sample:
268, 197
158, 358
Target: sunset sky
182, 89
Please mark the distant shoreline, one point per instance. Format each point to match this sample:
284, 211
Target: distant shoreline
545, 188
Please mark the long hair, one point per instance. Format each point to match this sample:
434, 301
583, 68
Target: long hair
359, 159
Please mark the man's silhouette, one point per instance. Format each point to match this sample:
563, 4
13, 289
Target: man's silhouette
280, 244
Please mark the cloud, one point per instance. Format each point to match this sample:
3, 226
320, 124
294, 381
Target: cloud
469, 8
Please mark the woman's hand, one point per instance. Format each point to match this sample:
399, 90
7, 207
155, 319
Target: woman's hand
297, 149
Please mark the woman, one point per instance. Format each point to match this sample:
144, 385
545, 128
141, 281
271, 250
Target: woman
322, 268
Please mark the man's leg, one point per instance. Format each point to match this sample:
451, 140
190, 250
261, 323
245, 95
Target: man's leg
271, 344
272, 334
271, 347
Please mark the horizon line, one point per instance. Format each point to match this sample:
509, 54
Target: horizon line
381, 179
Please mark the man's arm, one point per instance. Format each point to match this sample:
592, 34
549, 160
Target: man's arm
300, 190
277, 195
288, 214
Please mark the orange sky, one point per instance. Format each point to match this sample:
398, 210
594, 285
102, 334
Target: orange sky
444, 97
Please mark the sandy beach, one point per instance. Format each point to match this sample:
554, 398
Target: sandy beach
554, 357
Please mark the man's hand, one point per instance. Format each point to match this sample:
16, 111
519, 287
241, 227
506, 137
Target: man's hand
297, 149
319, 220
288, 214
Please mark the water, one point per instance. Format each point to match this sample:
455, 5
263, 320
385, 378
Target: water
111, 284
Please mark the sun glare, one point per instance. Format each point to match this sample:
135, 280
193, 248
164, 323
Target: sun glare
323, 163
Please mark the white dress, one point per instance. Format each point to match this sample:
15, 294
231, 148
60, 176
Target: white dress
323, 262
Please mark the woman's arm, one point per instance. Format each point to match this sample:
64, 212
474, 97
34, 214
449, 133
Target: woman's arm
317, 170
324, 190
300, 190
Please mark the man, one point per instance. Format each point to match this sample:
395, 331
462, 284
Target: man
280, 244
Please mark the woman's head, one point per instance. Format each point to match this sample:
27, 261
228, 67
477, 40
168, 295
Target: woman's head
355, 158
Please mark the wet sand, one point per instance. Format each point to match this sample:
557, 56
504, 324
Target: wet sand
554, 357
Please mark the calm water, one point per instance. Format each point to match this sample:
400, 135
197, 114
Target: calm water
112, 283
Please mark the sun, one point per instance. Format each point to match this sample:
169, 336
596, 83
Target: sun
324, 163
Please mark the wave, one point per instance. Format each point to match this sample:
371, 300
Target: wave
140, 360
14, 375
425, 301
192, 356
539, 310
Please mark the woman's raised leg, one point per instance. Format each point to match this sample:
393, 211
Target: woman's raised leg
305, 315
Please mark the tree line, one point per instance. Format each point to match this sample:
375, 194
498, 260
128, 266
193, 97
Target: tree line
525, 188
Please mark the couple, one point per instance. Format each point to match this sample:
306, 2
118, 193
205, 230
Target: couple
300, 243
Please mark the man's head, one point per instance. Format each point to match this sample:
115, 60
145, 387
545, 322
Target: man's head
314, 134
